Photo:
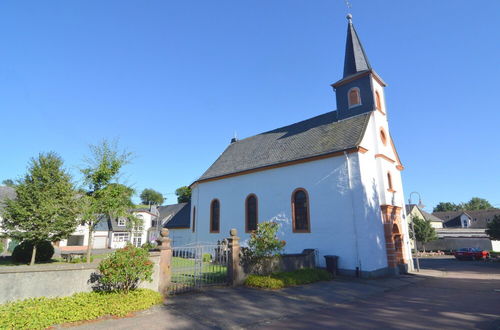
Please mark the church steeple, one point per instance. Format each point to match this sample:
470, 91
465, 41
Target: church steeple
360, 90
355, 57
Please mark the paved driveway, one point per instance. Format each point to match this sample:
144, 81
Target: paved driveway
446, 294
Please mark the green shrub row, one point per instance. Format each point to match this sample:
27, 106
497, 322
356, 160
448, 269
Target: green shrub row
284, 279
40, 313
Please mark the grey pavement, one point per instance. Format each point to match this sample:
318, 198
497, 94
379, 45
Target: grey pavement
234, 308
446, 294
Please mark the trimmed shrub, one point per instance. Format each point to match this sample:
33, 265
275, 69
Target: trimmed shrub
207, 257
149, 246
261, 281
1, 247
125, 268
41, 313
23, 252
284, 279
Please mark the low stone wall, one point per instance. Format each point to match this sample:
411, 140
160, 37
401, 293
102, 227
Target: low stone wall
283, 263
454, 243
58, 280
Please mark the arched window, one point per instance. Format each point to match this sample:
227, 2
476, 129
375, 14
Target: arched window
354, 97
251, 213
300, 211
389, 181
383, 136
378, 103
215, 216
194, 219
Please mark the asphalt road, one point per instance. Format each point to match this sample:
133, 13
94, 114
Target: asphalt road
456, 295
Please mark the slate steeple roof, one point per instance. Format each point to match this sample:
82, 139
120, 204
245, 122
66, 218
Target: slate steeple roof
355, 57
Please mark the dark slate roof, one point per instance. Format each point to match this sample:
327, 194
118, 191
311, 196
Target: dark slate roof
6, 193
479, 218
430, 217
427, 216
176, 215
103, 224
111, 224
355, 59
316, 136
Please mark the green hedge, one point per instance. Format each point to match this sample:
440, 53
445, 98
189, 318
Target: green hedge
40, 313
284, 279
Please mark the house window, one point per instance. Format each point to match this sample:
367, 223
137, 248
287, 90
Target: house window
251, 213
378, 103
194, 219
300, 211
389, 181
354, 97
137, 241
121, 221
383, 136
215, 216
120, 237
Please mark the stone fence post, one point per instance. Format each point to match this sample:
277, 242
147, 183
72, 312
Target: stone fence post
165, 261
235, 272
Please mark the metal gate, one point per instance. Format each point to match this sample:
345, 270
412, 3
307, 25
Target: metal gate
195, 266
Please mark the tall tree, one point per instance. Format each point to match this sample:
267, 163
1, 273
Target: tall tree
447, 206
150, 196
8, 182
493, 230
183, 194
105, 196
424, 232
477, 203
46, 207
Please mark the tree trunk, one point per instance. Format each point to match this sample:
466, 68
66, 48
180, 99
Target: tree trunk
90, 242
33, 255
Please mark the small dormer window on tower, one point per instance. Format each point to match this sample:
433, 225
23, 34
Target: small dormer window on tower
354, 97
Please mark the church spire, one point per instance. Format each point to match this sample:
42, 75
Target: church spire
355, 57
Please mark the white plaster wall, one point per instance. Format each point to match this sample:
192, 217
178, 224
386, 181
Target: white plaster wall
495, 246
374, 171
180, 237
333, 206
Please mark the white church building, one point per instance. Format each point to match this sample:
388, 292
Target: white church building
333, 181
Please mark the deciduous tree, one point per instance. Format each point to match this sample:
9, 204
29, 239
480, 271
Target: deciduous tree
183, 194
150, 196
46, 207
493, 230
105, 196
424, 232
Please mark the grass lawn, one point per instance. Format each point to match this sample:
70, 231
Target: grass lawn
185, 272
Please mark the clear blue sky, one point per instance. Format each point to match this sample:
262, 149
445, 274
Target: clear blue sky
174, 79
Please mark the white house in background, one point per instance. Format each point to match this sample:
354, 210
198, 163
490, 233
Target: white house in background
414, 210
333, 181
116, 233
176, 218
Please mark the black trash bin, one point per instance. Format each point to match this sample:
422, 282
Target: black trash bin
331, 264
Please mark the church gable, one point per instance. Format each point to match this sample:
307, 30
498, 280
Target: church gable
314, 137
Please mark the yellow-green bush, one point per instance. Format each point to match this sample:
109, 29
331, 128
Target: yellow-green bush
40, 313
284, 279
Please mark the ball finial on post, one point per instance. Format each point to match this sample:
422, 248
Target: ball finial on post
349, 18
233, 232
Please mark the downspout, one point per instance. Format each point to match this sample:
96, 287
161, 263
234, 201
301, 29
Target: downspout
348, 167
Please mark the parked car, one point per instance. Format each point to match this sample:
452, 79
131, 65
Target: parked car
471, 254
